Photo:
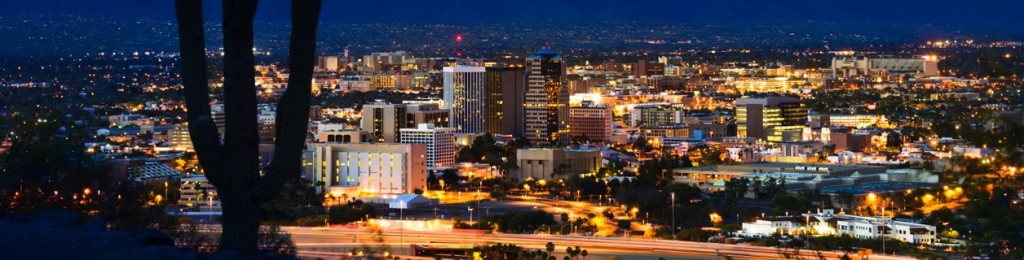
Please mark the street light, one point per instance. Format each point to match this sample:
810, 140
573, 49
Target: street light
165, 190
807, 238
673, 215
401, 221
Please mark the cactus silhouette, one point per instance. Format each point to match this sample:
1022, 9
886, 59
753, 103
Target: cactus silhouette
233, 166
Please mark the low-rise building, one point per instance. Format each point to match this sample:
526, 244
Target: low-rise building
827, 223
195, 191
544, 163
372, 172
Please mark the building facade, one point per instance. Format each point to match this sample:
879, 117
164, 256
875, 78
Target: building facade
197, 191
465, 95
590, 120
547, 99
548, 163
506, 92
428, 113
926, 66
440, 143
179, 138
362, 170
775, 119
383, 120
656, 115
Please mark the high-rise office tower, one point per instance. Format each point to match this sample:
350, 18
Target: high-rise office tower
776, 119
383, 120
547, 99
440, 143
506, 92
464, 95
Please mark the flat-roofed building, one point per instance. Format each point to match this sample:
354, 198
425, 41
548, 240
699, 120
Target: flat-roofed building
362, 170
925, 66
383, 120
546, 104
775, 119
440, 143
344, 136
428, 113
465, 95
551, 163
591, 120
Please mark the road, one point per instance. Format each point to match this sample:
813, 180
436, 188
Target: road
318, 240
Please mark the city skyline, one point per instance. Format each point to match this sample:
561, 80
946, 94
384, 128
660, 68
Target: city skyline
501, 130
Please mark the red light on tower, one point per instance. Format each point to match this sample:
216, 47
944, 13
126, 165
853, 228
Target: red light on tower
458, 37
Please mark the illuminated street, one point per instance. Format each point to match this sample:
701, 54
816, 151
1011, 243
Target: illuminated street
341, 240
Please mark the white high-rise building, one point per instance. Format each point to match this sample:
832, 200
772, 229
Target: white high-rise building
440, 143
464, 95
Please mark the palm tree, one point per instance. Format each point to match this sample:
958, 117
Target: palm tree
232, 166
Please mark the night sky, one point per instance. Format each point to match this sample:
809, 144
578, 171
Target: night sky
978, 14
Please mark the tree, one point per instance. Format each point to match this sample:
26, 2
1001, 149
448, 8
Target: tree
641, 144
232, 166
450, 177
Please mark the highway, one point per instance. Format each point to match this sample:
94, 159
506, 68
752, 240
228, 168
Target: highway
314, 241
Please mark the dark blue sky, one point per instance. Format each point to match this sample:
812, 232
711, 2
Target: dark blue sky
976, 14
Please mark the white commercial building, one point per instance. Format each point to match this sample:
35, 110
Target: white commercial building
827, 223
922, 67
875, 227
373, 172
464, 95
440, 143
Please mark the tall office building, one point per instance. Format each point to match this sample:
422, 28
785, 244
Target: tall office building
591, 120
506, 91
440, 143
383, 120
465, 94
776, 119
547, 99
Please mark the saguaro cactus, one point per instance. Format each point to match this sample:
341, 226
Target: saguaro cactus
232, 166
